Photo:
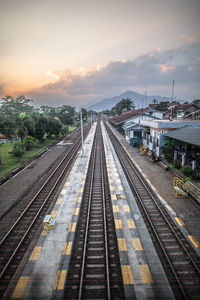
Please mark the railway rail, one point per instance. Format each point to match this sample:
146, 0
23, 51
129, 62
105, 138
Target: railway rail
95, 271
18, 238
180, 261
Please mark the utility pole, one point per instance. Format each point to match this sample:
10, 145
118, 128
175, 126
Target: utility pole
173, 90
82, 149
172, 96
91, 117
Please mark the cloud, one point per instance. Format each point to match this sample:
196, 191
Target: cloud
157, 68
189, 39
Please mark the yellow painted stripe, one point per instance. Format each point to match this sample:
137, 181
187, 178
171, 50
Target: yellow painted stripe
118, 180
123, 196
35, 253
194, 241
131, 223
81, 190
53, 213
115, 208
120, 188
79, 199
84, 176
127, 274
137, 244
122, 244
146, 274
118, 224
110, 180
76, 211
67, 248
112, 187
113, 197
63, 191
72, 227
82, 182
179, 221
109, 174
161, 198
168, 207
20, 287
66, 183
126, 208
58, 202
60, 280
44, 232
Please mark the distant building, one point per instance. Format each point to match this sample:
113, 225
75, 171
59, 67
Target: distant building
154, 132
129, 123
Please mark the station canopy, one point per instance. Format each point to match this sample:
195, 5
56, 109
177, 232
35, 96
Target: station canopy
188, 134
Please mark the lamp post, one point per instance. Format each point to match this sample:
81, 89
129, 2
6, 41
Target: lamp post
82, 149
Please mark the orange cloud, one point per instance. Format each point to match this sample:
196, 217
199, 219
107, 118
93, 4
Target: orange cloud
190, 39
165, 68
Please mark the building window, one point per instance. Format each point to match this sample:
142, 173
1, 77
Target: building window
157, 141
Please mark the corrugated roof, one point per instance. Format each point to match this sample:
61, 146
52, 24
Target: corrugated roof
127, 115
189, 134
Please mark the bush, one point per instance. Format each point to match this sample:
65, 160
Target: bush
18, 149
187, 171
177, 164
196, 175
30, 142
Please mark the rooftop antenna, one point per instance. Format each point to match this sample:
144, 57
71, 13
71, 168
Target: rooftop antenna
145, 93
173, 83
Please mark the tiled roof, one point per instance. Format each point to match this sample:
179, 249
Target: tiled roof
189, 134
127, 115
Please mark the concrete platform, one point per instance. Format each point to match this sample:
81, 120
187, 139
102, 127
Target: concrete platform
45, 274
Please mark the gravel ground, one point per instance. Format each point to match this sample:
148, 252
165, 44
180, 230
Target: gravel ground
11, 191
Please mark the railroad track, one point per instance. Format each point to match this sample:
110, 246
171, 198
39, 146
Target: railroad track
180, 261
95, 271
18, 238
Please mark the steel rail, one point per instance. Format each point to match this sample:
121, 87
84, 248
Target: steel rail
71, 152
146, 213
88, 219
105, 221
87, 226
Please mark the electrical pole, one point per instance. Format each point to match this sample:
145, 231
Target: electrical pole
82, 149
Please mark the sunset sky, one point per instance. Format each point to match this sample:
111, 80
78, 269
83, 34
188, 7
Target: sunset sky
73, 51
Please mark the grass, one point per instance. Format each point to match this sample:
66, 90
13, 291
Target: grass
9, 162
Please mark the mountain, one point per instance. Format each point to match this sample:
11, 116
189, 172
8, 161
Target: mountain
138, 100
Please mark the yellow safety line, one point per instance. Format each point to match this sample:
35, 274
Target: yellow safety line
137, 244
35, 253
67, 248
126, 208
118, 223
131, 223
72, 227
179, 221
127, 274
20, 287
194, 241
146, 274
113, 197
122, 244
115, 208
76, 211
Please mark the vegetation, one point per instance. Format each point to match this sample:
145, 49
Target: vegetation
122, 106
19, 119
162, 106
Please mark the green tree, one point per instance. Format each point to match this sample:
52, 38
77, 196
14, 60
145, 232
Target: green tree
162, 106
123, 105
14, 106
